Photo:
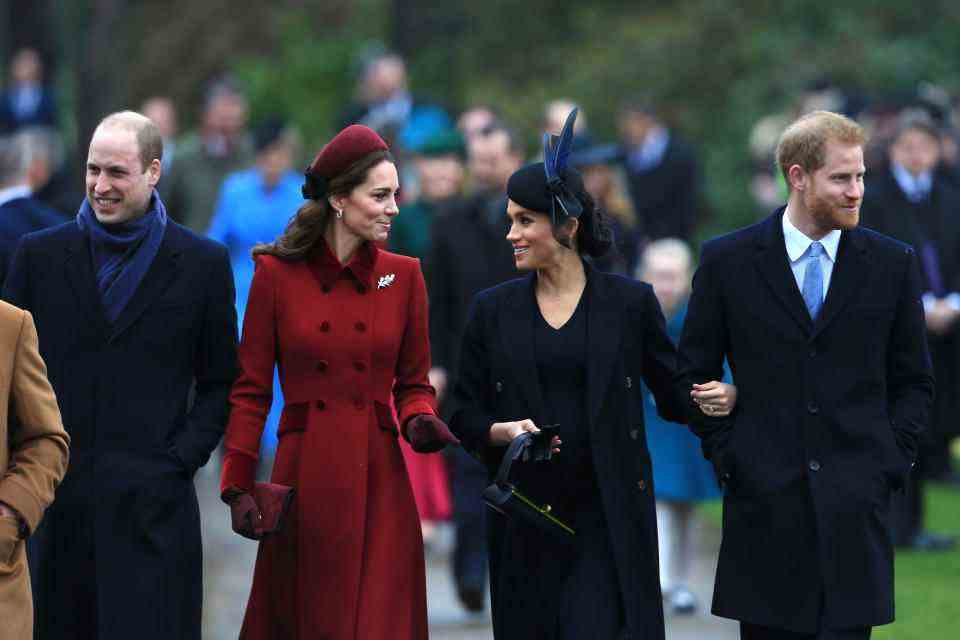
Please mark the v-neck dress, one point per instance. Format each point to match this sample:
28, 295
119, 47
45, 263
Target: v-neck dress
558, 574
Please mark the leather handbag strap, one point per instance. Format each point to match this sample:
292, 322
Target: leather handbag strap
514, 451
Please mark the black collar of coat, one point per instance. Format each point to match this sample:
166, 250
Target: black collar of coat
849, 270
163, 270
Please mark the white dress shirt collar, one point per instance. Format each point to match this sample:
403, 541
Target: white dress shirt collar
798, 243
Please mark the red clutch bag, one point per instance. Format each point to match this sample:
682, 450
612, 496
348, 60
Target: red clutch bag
273, 501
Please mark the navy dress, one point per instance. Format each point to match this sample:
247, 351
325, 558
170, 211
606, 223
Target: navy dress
558, 573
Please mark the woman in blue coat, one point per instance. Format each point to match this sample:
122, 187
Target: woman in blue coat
254, 207
681, 474
568, 345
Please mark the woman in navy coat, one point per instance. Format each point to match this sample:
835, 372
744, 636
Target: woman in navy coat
570, 345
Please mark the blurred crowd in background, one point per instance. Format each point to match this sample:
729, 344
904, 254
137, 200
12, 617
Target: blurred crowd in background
238, 180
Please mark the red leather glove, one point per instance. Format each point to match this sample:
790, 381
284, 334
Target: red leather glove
427, 433
246, 516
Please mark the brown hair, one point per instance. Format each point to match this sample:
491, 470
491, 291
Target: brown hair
310, 221
804, 142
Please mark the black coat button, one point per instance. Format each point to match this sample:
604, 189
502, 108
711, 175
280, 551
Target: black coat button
358, 403
324, 326
360, 327
322, 366
325, 288
814, 465
813, 353
361, 288
359, 366
813, 408
321, 405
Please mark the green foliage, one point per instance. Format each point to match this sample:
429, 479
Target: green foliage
714, 67
310, 77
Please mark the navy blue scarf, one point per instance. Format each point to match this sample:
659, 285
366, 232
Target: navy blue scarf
122, 252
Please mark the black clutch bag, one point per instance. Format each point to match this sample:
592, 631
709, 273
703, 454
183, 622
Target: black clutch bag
505, 497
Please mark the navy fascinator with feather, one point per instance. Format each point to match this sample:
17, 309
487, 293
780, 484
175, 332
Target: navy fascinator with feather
556, 158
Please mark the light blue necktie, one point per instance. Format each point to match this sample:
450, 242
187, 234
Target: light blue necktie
813, 280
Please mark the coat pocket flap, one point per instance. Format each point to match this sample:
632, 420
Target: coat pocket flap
385, 417
293, 418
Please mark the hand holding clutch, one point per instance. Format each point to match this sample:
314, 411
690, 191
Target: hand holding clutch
246, 516
427, 433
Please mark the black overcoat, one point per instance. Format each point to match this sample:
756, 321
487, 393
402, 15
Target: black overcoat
123, 391
498, 381
825, 426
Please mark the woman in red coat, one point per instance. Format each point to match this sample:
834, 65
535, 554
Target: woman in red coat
346, 323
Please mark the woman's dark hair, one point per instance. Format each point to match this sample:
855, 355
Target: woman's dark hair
310, 221
594, 233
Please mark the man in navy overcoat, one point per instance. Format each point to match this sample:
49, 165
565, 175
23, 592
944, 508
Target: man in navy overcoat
132, 311
823, 327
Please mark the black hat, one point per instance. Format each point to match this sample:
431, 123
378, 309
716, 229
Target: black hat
550, 186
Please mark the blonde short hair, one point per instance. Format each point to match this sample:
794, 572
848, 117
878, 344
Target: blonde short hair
804, 142
669, 248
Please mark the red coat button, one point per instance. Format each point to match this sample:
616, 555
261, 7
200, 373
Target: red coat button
359, 366
324, 326
360, 327
358, 403
325, 288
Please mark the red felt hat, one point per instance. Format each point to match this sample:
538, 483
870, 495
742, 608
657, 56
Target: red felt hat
348, 146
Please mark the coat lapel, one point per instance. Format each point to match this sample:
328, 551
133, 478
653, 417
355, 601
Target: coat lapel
604, 328
774, 267
517, 319
78, 269
848, 274
161, 273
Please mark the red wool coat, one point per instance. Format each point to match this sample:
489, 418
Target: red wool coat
349, 563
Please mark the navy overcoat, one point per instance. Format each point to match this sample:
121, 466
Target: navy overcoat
498, 381
119, 553
825, 427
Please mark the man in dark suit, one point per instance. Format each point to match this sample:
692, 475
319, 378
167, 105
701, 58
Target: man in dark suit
911, 201
27, 101
822, 324
662, 175
470, 253
21, 172
132, 311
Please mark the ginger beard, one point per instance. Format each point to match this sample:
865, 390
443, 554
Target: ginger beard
835, 190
